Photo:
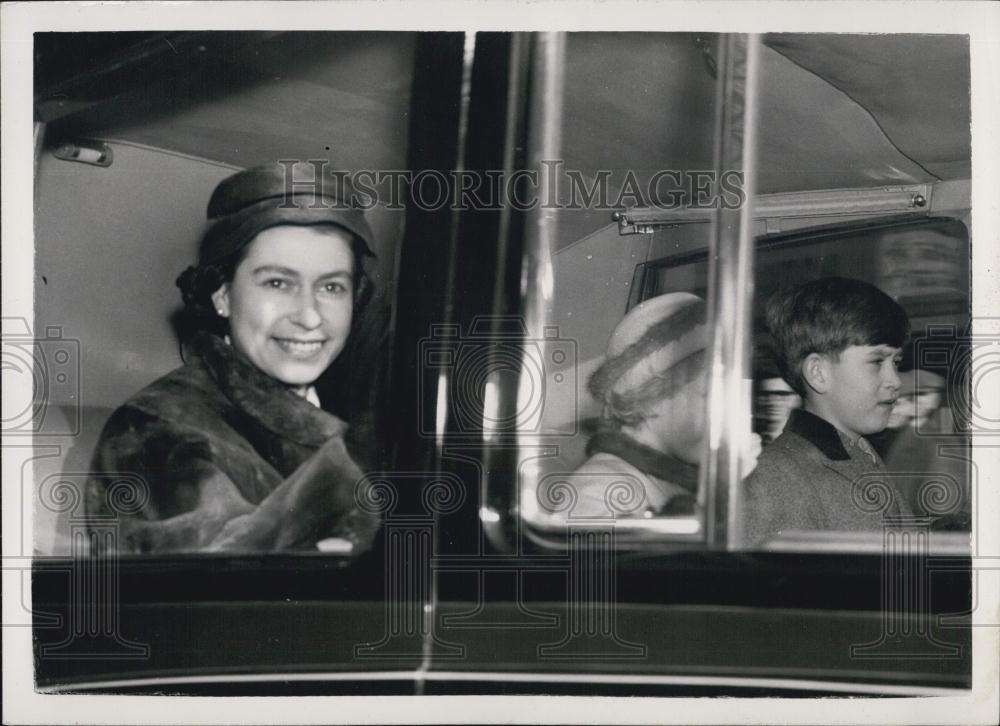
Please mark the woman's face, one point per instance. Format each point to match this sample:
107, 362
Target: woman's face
290, 302
679, 420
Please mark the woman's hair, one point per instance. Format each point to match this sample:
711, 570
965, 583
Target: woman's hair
198, 283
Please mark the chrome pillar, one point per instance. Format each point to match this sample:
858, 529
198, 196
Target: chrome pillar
730, 293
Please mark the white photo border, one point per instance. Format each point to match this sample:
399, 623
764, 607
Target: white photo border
980, 20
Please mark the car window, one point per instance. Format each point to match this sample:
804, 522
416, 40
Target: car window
125, 175
596, 281
634, 202
603, 424
924, 266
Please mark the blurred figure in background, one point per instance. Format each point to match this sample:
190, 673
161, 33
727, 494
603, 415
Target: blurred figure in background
775, 402
919, 403
919, 445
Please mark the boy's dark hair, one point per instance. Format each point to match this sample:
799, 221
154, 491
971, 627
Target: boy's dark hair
826, 316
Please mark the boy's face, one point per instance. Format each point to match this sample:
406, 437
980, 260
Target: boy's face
862, 385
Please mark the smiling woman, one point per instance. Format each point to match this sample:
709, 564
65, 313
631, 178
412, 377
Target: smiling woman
232, 450
289, 304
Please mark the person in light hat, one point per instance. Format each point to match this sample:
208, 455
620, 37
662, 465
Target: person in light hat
643, 460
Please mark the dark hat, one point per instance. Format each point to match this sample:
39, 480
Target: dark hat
250, 201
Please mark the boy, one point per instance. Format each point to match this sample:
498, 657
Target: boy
838, 343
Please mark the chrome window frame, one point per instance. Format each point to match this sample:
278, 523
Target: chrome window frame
730, 293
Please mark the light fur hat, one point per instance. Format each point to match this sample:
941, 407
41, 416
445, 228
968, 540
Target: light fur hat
654, 337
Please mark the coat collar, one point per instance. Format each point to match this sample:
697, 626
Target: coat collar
818, 432
645, 458
267, 401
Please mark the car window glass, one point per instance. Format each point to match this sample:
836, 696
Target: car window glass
620, 423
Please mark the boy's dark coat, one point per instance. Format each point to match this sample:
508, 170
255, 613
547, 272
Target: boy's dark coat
216, 455
806, 480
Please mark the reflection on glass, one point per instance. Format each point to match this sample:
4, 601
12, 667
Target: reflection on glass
773, 404
922, 444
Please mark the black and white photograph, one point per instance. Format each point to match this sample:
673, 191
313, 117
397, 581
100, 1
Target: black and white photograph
384, 362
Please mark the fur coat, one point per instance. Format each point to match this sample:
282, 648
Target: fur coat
219, 456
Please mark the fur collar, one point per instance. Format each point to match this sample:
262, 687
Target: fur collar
645, 458
268, 402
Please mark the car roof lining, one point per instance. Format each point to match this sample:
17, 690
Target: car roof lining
638, 102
